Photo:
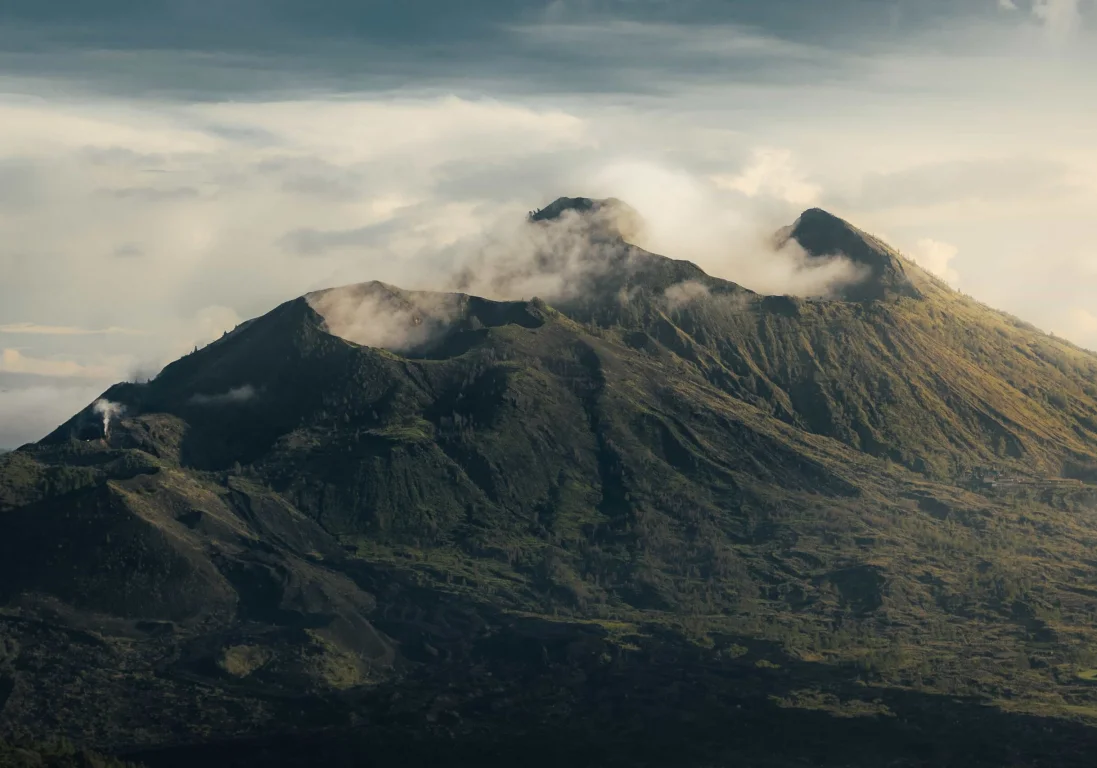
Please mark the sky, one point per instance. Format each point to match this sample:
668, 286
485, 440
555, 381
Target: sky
169, 168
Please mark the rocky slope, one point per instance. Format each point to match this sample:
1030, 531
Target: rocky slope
401, 513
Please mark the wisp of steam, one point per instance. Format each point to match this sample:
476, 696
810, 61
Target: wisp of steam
108, 411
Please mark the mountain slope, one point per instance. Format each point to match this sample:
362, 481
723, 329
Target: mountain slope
902, 367
855, 506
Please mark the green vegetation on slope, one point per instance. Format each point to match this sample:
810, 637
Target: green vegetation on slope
58, 755
863, 507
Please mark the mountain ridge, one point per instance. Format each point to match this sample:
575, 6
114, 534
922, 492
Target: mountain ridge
663, 471
822, 235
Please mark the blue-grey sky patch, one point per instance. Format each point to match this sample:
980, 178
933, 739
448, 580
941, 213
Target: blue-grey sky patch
214, 49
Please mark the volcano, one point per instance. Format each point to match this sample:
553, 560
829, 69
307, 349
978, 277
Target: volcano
432, 526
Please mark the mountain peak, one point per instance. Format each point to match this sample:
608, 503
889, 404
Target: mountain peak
607, 218
822, 234
581, 205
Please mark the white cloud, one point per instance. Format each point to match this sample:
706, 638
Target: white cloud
681, 294
424, 131
1061, 17
1007, 5
234, 396
65, 330
699, 219
772, 173
936, 257
14, 361
185, 267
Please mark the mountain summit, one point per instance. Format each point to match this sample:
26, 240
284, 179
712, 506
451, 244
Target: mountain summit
608, 218
376, 520
824, 235
580, 205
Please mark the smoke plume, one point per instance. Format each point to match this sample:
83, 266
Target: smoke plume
108, 411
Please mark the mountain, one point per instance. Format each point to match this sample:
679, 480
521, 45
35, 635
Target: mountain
655, 519
823, 235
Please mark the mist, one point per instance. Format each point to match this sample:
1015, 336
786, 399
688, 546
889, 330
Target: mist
660, 211
684, 293
377, 315
729, 233
234, 396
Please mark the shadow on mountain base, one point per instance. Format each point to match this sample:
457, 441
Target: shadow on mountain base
672, 724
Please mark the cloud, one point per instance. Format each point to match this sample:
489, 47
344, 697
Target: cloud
956, 128
128, 251
1061, 17
704, 221
1007, 5
936, 257
377, 315
555, 260
312, 177
609, 47
983, 180
234, 396
315, 242
271, 49
30, 413
65, 330
14, 361
772, 173
20, 183
152, 194
680, 294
